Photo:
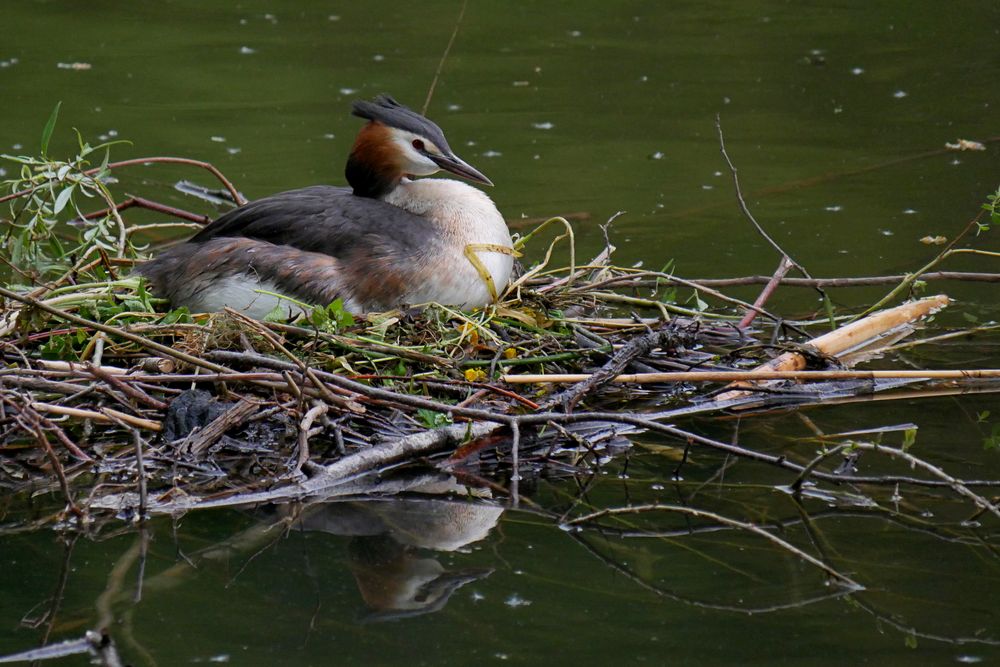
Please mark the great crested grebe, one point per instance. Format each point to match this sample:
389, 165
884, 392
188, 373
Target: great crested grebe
386, 241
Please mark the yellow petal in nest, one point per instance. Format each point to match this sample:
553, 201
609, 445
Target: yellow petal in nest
475, 375
469, 329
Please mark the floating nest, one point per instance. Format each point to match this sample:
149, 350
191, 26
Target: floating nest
126, 410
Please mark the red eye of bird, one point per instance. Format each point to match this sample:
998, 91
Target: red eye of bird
419, 145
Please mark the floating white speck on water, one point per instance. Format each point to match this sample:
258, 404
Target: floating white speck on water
857, 71
900, 94
543, 125
835, 208
246, 50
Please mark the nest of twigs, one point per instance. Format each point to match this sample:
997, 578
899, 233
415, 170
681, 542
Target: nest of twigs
132, 410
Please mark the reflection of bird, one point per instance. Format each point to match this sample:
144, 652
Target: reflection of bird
386, 241
396, 582
385, 555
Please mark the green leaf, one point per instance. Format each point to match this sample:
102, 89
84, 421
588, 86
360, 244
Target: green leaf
432, 419
177, 315
319, 318
63, 199
909, 437
828, 307
49, 128
992, 441
278, 314
103, 171
340, 317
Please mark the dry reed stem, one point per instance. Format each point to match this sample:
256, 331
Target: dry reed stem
846, 338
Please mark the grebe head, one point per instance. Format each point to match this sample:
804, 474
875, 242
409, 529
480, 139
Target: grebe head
399, 142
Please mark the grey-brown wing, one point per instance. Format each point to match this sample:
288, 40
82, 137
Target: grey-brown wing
324, 219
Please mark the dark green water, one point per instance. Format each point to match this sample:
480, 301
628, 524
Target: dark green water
836, 114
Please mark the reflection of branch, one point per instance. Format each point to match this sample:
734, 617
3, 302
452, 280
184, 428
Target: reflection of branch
857, 597
779, 525
957, 485
624, 570
49, 619
114, 589
889, 619
704, 514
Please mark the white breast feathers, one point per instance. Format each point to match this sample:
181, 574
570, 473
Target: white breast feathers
466, 216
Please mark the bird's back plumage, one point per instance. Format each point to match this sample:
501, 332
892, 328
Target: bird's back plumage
315, 244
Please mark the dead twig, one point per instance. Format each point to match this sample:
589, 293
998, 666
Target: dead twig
198, 442
749, 216
783, 266
444, 57
305, 431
